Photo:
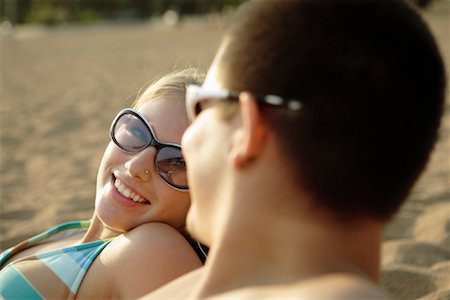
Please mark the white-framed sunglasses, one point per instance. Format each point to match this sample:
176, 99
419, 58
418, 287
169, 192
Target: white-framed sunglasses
196, 94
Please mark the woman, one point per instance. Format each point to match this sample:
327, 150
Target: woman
132, 244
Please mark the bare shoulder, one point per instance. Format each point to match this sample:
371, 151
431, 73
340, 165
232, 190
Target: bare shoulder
147, 257
180, 288
336, 286
153, 236
343, 286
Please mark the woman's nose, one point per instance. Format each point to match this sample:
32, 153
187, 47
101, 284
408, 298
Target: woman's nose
142, 164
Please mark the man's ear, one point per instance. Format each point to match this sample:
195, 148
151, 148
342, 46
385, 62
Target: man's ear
252, 134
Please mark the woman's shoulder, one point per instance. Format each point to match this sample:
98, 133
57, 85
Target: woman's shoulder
152, 254
152, 240
156, 233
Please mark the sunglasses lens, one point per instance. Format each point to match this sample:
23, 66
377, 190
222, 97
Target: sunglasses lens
131, 134
171, 166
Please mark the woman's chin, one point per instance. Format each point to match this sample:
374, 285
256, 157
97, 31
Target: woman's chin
112, 220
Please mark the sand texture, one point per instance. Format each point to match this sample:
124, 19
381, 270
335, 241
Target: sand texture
61, 87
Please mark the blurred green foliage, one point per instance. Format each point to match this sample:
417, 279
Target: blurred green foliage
63, 11
42, 12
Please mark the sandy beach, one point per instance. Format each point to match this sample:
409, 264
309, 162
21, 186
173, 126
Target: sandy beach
60, 88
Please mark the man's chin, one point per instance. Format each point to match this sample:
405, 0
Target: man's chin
195, 229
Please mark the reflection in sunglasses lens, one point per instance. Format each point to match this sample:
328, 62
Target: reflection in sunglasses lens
131, 133
171, 166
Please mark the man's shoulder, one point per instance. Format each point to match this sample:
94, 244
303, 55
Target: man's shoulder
342, 286
335, 286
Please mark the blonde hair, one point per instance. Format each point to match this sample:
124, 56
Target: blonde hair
171, 85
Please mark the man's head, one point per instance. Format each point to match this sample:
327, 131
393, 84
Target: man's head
371, 81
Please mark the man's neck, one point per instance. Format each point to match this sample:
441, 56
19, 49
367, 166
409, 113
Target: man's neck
282, 249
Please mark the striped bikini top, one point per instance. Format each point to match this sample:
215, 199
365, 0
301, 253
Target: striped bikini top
55, 274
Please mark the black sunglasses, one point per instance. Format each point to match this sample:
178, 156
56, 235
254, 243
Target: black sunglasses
132, 133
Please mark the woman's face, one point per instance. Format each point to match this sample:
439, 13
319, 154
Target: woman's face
156, 200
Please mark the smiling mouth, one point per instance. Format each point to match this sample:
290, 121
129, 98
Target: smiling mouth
126, 192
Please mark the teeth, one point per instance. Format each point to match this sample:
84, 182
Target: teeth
127, 192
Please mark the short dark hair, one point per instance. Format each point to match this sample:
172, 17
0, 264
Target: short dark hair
372, 84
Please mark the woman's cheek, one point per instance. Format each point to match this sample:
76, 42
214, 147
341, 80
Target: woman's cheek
110, 160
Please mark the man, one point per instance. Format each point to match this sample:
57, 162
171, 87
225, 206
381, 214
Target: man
315, 120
